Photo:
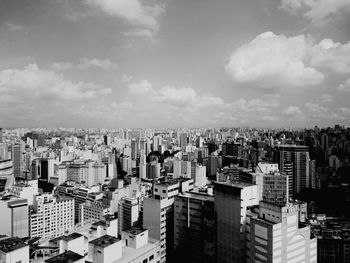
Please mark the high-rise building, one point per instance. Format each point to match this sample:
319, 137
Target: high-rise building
128, 213
0, 135
195, 227
17, 158
214, 164
183, 140
52, 216
276, 236
231, 203
14, 217
158, 213
299, 157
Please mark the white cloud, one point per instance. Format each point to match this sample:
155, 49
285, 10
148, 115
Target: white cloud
140, 88
327, 98
13, 27
345, 86
126, 78
133, 11
62, 65
319, 11
37, 82
274, 61
99, 63
331, 55
292, 110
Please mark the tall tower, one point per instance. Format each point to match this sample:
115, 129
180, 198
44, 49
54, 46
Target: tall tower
231, 202
0, 135
299, 157
17, 158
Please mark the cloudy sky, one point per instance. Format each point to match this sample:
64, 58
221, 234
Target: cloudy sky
174, 63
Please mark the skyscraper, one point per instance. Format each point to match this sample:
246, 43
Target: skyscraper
231, 202
0, 135
194, 236
298, 156
17, 158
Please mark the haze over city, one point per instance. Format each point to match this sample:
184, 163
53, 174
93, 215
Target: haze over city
167, 63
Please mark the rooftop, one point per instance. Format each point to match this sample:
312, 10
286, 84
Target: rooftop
11, 244
198, 196
104, 241
69, 237
135, 230
66, 257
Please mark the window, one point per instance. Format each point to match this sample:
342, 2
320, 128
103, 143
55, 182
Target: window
145, 260
151, 257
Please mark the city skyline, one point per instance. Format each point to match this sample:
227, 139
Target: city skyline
163, 63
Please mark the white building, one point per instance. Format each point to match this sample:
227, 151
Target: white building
275, 236
52, 216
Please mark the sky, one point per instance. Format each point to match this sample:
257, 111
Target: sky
174, 63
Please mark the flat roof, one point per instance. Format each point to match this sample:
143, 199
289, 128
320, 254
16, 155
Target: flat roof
11, 244
134, 230
129, 253
66, 257
234, 184
69, 237
197, 196
104, 241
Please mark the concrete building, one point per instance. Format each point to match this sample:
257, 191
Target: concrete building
299, 157
231, 203
13, 250
158, 213
26, 190
52, 216
18, 158
276, 236
128, 213
194, 227
14, 216
92, 211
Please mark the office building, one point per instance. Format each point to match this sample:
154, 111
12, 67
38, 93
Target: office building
158, 213
298, 156
14, 216
128, 213
195, 228
276, 236
231, 203
17, 158
51, 216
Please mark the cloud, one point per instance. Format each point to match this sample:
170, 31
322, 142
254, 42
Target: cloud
37, 82
140, 88
13, 27
331, 55
272, 60
44, 97
345, 86
62, 65
99, 63
319, 11
327, 98
292, 111
133, 11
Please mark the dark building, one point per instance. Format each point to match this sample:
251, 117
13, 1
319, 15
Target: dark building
194, 221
